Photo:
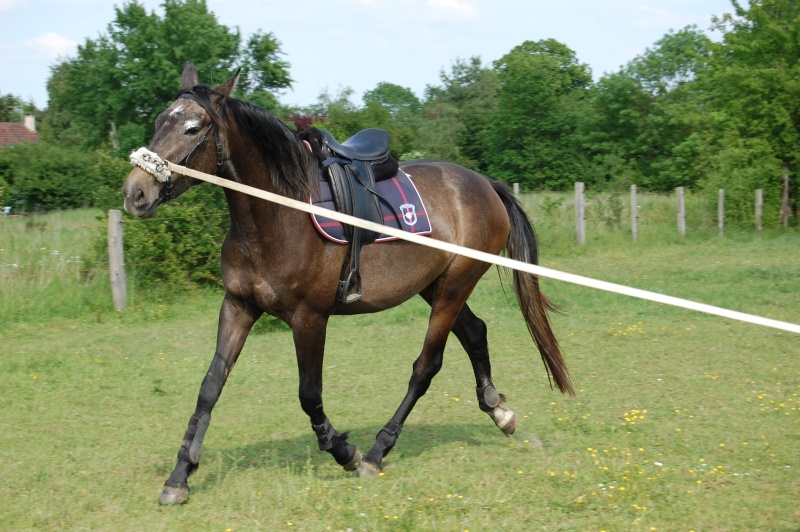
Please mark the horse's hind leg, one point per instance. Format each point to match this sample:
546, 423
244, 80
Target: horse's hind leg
235, 320
445, 307
471, 332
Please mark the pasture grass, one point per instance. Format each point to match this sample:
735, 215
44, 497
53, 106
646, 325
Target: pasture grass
48, 269
681, 421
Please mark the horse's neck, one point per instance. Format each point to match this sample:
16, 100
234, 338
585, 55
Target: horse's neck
254, 219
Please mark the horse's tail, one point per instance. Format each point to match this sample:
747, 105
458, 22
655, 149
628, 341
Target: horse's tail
534, 305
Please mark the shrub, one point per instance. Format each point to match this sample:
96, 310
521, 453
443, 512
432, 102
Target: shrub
180, 246
46, 177
741, 167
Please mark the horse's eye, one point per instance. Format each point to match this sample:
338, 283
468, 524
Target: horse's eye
193, 131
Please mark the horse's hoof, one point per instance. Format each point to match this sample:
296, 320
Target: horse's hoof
172, 495
510, 427
354, 462
505, 419
367, 470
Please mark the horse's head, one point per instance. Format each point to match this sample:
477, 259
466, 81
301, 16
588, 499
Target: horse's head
187, 133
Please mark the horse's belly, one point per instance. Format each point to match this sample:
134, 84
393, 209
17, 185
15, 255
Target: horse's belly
394, 272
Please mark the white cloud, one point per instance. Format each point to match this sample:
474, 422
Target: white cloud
454, 7
10, 5
414, 11
50, 45
650, 17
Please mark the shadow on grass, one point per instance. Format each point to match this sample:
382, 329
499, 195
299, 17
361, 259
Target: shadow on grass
299, 456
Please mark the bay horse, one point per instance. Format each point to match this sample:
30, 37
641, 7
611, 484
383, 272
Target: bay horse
274, 261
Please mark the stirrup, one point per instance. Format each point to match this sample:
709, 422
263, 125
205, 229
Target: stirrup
349, 290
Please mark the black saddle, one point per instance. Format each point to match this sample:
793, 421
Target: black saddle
352, 168
367, 145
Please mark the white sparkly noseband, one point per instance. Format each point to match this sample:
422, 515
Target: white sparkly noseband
151, 163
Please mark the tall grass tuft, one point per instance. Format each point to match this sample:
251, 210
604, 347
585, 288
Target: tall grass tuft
608, 220
45, 268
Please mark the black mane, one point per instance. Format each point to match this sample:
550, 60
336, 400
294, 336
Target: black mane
292, 169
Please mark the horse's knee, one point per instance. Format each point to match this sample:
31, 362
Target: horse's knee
424, 369
310, 401
470, 329
476, 333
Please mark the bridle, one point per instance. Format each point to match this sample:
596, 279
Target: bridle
185, 159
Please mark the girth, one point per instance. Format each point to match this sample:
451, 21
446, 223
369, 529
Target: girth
351, 167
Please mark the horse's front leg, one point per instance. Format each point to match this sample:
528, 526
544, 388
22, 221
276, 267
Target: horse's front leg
309, 331
236, 317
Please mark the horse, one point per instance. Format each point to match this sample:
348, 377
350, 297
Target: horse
274, 261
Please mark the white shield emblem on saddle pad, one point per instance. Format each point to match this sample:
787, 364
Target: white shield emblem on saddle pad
409, 212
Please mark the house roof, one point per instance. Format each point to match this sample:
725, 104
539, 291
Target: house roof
16, 133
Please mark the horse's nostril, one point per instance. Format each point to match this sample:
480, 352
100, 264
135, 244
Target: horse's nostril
139, 200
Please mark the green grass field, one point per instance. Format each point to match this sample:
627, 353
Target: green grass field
682, 421
47, 268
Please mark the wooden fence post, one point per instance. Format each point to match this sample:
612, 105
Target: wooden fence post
721, 212
516, 190
116, 260
681, 211
634, 214
580, 213
759, 208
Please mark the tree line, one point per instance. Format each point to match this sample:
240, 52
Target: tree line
689, 111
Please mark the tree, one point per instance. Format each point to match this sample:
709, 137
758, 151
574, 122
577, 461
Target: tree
611, 128
398, 100
457, 113
265, 73
13, 108
336, 113
646, 123
531, 138
44, 176
440, 133
342, 118
397, 110
677, 59
112, 91
756, 73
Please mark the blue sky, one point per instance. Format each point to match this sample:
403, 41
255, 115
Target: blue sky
406, 42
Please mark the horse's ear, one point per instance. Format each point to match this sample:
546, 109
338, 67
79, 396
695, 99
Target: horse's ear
189, 77
229, 86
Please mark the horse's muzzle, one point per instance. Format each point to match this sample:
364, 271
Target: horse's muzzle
141, 194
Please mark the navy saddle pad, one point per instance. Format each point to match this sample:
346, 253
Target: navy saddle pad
405, 209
